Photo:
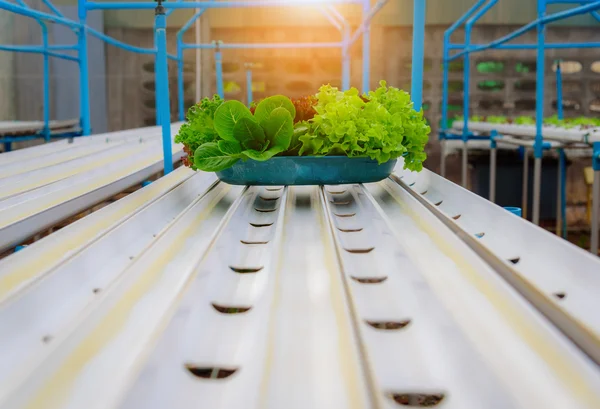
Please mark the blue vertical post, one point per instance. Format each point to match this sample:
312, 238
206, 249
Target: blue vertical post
466, 87
418, 49
46, 130
156, 98
162, 85
346, 59
219, 70
444, 124
563, 191
539, 113
249, 84
445, 74
84, 83
559, 91
366, 49
180, 90
466, 83
594, 241
562, 157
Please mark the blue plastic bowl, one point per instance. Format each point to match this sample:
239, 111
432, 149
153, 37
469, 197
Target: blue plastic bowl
306, 170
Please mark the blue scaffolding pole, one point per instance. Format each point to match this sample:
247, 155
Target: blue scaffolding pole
47, 50
162, 10
332, 15
481, 7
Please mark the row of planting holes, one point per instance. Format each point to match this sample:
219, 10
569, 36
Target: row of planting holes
560, 294
221, 373
403, 399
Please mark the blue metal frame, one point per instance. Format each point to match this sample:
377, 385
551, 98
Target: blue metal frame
47, 50
540, 46
160, 50
330, 12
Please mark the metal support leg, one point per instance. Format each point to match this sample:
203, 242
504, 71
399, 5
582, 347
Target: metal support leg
595, 211
493, 153
595, 199
538, 149
525, 187
417, 53
219, 70
366, 80
249, 95
84, 83
162, 86
443, 157
180, 83
46, 130
559, 203
346, 60
465, 164
198, 36
537, 184
563, 192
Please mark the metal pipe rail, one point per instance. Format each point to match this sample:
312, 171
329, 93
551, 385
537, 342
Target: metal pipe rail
540, 25
558, 138
81, 29
190, 290
566, 135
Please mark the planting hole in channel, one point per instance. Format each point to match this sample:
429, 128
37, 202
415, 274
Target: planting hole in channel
253, 242
514, 260
456, 217
417, 400
245, 270
412, 184
345, 215
370, 280
424, 192
274, 189
264, 210
479, 235
210, 372
269, 199
341, 203
360, 251
230, 310
560, 295
46, 339
96, 290
261, 224
350, 230
388, 325
336, 192
439, 203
